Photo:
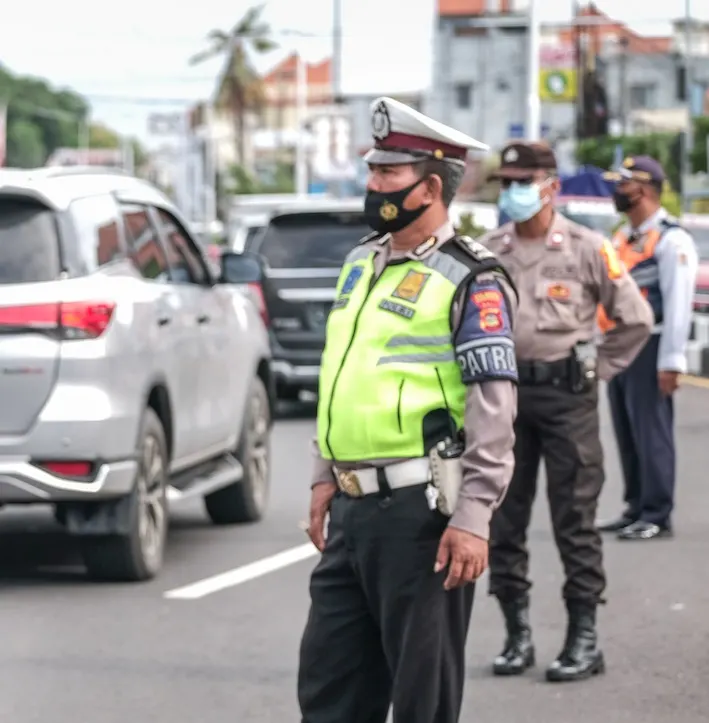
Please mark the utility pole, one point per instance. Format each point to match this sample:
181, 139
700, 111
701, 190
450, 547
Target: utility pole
533, 122
301, 160
688, 145
337, 51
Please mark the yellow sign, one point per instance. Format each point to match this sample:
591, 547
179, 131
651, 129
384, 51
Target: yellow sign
410, 287
558, 85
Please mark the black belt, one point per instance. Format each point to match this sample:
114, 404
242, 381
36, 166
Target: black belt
538, 373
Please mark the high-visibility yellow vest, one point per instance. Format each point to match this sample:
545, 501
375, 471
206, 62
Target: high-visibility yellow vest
389, 359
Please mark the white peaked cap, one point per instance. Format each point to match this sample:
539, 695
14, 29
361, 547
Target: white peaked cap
403, 135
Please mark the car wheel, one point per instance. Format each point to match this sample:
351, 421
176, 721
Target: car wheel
247, 499
137, 554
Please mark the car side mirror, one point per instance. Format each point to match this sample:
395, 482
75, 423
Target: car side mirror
243, 268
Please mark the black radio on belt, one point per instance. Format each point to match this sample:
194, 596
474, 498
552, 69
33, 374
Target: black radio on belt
582, 370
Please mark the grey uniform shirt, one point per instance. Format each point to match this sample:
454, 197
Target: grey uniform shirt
561, 280
490, 411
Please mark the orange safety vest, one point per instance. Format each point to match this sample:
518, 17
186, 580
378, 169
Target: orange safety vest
638, 257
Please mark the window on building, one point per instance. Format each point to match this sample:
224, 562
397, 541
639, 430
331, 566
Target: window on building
464, 95
643, 97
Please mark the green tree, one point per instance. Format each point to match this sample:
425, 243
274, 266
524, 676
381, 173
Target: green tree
25, 147
241, 87
41, 119
102, 137
600, 152
468, 227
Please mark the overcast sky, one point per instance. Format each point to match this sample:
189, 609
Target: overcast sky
130, 58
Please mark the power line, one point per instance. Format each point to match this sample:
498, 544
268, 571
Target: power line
138, 100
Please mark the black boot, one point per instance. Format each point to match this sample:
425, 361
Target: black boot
580, 657
518, 654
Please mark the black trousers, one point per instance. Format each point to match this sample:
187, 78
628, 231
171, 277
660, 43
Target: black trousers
381, 628
563, 429
643, 421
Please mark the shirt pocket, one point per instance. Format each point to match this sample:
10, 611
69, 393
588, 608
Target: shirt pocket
558, 305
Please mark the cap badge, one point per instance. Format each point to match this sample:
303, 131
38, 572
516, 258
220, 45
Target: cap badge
381, 123
511, 156
628, 163
438, 153
388, 211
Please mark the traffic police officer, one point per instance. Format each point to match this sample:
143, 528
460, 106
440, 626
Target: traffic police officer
418, 356
563, 271
663, 260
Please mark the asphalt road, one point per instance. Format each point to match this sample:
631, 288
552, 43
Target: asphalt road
75, 651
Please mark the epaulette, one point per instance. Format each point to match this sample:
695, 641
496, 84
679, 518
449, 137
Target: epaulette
371, 237
474, 248
670, 222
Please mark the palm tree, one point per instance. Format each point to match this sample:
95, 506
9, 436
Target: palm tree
241, 88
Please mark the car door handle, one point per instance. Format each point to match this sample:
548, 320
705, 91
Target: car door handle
164, 320
203, 319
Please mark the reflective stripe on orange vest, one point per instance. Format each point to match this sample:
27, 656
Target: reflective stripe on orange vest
638, 258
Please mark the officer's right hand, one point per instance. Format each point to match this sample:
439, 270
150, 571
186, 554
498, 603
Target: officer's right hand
320, 500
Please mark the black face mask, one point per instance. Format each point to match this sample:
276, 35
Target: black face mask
623, 202
385, 212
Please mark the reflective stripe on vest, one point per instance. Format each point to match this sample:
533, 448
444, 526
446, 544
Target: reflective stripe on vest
639, 259
389, 362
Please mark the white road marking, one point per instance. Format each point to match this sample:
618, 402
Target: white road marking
243, 574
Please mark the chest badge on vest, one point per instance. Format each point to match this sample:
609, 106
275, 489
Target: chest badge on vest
559, 292
411, 286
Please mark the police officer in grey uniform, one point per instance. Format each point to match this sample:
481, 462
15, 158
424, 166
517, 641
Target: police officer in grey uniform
392, 594
563, 271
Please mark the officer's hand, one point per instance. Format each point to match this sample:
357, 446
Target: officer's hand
465, 555
320, 499
668, 382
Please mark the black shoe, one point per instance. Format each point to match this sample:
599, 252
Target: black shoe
616, 525
580, 658
518, 653
645, 531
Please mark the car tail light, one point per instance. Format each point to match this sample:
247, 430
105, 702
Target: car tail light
86, 319
68, 468
76, 319
257, 291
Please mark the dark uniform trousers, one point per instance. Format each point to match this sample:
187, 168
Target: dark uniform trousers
381, 628
563, 429
643, 420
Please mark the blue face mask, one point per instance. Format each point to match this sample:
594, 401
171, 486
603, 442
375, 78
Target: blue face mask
521, 201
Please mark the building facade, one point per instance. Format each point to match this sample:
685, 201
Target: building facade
480, 71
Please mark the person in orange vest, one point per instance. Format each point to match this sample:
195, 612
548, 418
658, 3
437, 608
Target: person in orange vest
662, 258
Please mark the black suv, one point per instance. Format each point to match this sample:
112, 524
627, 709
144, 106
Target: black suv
292, 267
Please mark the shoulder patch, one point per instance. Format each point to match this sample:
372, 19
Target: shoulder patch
484, 346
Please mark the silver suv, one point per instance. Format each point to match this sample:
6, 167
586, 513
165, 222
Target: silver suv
129, 376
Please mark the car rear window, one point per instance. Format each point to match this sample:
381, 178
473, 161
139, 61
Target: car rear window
29, 245
311, 240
